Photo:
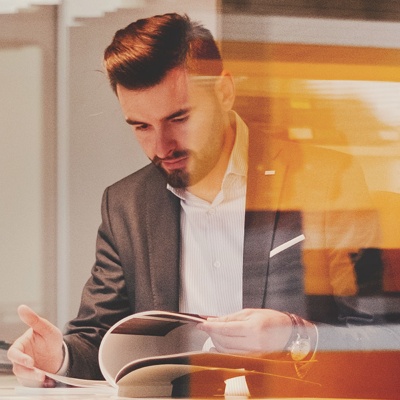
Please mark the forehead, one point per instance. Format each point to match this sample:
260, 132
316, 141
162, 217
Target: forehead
177, 90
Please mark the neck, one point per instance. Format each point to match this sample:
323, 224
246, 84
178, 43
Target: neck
208, 188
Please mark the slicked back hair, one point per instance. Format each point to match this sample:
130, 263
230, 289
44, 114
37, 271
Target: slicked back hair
141, 54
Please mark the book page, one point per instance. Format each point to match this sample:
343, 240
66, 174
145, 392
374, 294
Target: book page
76, 382
148, 334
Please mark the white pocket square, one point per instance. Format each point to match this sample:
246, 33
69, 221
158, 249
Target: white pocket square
286, 245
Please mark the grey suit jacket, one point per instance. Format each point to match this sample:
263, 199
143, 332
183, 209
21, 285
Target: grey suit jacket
305, 191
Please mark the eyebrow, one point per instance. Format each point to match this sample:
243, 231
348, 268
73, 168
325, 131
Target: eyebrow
175, 114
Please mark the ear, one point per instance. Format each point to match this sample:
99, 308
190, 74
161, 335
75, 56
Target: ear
225, 90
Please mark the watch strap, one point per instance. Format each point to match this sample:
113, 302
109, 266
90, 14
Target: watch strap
298, 347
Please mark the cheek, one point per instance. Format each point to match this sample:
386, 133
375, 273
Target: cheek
207, 132
195, 133
201, 126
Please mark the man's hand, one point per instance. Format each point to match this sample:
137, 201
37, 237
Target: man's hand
39, 349
255, 332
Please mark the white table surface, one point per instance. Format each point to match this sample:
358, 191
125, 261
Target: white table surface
10, 389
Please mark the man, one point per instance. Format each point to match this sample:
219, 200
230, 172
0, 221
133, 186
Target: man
206, 229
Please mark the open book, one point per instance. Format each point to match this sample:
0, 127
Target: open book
159, 353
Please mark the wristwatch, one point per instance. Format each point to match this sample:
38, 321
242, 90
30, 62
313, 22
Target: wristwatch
298, 347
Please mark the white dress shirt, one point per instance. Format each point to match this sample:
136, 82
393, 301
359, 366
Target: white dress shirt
212, 236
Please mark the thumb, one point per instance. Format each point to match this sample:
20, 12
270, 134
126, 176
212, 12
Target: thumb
236, 316
39, 325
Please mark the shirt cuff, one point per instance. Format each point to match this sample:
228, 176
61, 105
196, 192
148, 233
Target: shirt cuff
64, 366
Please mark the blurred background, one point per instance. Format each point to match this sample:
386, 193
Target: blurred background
312, 71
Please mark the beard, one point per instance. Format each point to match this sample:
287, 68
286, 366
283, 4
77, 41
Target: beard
200, 164
179, 178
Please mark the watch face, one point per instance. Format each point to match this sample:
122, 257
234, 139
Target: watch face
300, 349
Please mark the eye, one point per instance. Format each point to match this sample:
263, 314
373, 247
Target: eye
180, 119
141, 127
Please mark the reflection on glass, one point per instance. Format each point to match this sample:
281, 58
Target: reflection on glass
346, 100
344, 112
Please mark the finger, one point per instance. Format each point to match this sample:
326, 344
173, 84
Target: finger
28, 316
237, 316
17, 355
29, 376
40, 325
49, 383
29, 382
234, 329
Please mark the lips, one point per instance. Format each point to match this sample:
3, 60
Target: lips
174, 163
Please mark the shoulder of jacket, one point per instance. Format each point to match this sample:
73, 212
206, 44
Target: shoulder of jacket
139, 179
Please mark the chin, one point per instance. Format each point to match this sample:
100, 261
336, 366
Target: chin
178, 179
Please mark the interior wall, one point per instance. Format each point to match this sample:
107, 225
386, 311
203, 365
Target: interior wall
27, 165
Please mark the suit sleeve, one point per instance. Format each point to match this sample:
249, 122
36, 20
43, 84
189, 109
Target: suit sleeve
104, 301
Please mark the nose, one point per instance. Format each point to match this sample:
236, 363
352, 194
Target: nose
165, 143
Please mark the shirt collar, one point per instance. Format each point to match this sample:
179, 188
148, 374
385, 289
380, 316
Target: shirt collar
238, 160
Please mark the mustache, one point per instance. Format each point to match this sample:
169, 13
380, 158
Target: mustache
176, 154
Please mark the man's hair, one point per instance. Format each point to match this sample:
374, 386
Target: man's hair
141, 54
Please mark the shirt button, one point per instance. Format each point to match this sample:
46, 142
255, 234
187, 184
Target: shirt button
217, 264
211, 211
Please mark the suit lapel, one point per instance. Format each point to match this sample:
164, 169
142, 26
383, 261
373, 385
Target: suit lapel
266, 176
163, 238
